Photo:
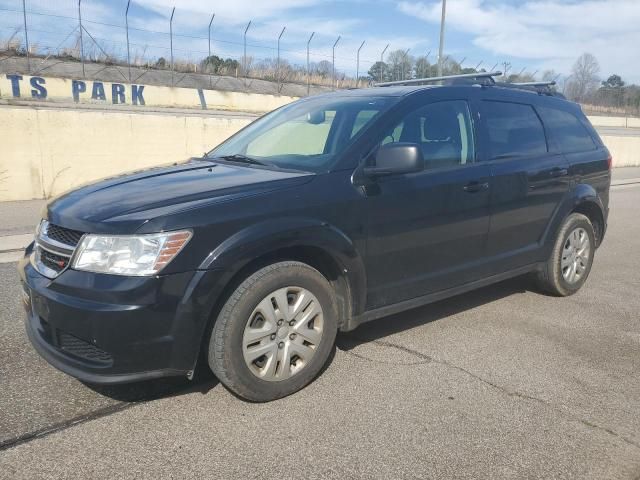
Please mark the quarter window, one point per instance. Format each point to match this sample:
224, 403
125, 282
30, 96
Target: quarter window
514, 129
566, 130
443, 130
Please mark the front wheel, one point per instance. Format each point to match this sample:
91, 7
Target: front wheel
275, 332
570, 262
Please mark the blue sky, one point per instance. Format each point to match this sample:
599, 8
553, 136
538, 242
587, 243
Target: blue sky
529, 34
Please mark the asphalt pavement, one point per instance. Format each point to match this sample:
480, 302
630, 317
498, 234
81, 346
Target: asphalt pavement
503, 382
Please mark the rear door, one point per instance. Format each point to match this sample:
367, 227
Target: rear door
529, 181
427, 231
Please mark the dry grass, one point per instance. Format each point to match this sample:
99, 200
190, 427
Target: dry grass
263, 70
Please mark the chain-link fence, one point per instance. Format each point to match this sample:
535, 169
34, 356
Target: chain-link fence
87, 39
46, 35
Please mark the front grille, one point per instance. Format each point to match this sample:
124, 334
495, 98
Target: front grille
54, 248
82, 349
57, 263
63, 235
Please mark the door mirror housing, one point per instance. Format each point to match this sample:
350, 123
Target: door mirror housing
316, 117
395, 159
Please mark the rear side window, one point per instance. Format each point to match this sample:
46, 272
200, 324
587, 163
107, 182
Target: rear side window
514, 129
566, 130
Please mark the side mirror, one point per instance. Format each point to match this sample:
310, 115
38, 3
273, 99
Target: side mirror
396, 158
316, 118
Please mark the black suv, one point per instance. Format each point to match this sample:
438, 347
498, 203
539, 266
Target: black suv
324, 214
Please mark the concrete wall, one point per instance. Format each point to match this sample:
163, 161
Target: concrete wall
44, 152
620, 122
625, 150
49, 89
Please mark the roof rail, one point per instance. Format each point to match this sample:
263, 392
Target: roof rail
464, 76
535, 84
541, 88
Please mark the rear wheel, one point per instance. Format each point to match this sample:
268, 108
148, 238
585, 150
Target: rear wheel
570, 262
275, 332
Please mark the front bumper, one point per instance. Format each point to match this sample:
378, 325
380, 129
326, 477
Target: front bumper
108, 329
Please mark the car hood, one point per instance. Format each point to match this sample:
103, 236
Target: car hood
122, 204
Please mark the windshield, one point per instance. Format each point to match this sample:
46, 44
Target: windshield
304, 135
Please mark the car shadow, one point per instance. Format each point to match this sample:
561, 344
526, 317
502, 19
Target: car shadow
204, 380
432, 312
148, 390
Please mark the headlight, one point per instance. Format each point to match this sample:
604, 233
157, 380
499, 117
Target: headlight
129, 254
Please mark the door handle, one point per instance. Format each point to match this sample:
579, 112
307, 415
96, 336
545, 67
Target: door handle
559, 172
473, 187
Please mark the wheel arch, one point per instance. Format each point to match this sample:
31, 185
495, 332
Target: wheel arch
316, 243
593, 211
583, 199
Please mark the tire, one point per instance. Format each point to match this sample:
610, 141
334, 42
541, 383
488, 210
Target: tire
555, 276
255, 308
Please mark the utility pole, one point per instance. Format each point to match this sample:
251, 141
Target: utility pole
441, 48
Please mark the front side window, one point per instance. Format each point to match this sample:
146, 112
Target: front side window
443, 130
566, 129
305, 135
514, 129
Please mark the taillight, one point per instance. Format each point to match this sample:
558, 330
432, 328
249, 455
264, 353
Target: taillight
609, 161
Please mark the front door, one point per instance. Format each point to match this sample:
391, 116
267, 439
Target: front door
427, 231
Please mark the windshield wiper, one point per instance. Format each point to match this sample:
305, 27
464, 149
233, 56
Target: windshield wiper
244, 159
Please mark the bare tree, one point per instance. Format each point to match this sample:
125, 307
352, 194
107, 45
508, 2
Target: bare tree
400, 64
584, 78
422, 67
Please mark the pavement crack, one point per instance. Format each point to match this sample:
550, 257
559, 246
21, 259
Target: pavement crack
372, 360
524, 396
57, 427
423, 359
410, 351
506, 391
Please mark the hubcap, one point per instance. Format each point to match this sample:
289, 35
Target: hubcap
282, 334
575, 255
